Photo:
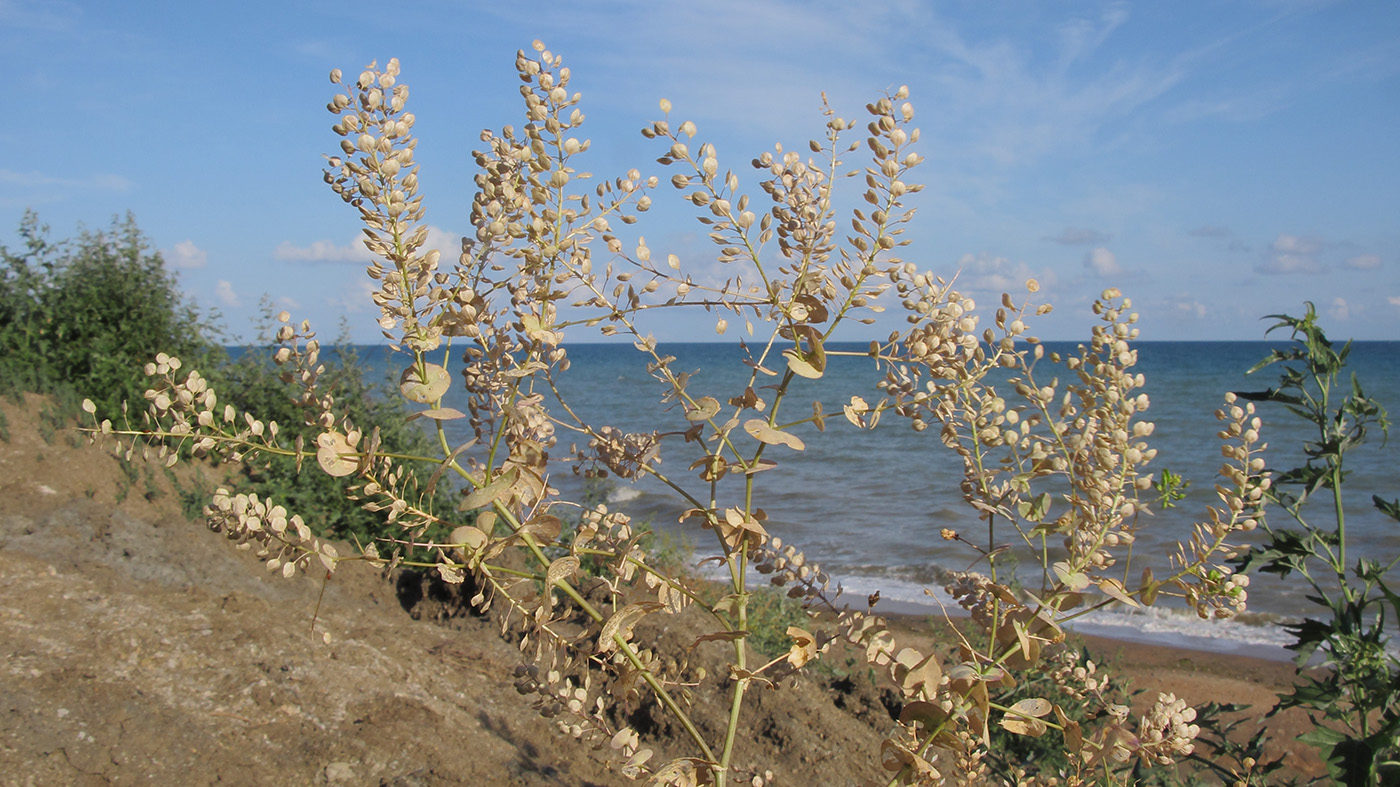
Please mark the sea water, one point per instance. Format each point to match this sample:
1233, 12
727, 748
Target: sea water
868, 505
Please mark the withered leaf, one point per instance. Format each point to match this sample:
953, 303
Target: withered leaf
1074, 580
1114, 590
756, 467
545, 528
335, 456
561, 569
487, 494
1022, 726
762, 432
471, 538
922, 712
804, 646
427, 387
1034, 706
439, 414
811, 362
621, 623
706, 407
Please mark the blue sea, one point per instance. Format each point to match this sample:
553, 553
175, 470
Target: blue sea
869, 505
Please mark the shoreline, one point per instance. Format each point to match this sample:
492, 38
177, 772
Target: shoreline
1197, 676
1123, 633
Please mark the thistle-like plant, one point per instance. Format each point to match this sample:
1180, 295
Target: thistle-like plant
1355, 704
1057, 469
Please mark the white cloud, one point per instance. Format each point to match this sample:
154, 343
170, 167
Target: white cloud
448, 243
984, 272
1290, 254
1363, 262
354, 297
322, 251
226, 294
187, 255
1078, 236
1102, 262
1191, 307
1017, 105
1339, 310
1394, 300
102, 181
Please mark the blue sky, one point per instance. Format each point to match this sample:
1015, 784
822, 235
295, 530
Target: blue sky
1218, 161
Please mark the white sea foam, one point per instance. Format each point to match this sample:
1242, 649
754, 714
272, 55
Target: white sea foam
621, 494
1163, 625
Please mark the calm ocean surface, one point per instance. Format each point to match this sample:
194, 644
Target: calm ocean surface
868, 505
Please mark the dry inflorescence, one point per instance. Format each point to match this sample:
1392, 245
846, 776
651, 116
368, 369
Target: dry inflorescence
1055, 449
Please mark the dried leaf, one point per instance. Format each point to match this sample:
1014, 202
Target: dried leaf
917, 673
545, 528
335, 455
809, 363
1114, 590
801, 366
487, 494
470, 538
756, 467
804, 646
561, 569
1034, 706
439, 414
427, 387
1074, 580
706, 407
621, 623
683, 772
1020, 726
762, 432
922, 712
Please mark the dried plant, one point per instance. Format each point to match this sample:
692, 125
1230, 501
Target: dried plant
1055, 448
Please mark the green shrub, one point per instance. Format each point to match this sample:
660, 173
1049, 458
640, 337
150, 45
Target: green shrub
86, 314
255, 384
1355, 703
83, 316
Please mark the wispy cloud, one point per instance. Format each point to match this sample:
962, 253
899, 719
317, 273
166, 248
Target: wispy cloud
1339, 309
43, 15
1188, 306
103, 181
187, 255
1102, 262
1290, 254
1363, 262
988, 273
1016, 107
227, 295
322, 251
447, 243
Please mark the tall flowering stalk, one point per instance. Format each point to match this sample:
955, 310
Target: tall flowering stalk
1060, 467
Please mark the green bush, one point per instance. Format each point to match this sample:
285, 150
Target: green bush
253, 383
1355, 703
86, 314
83, 316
